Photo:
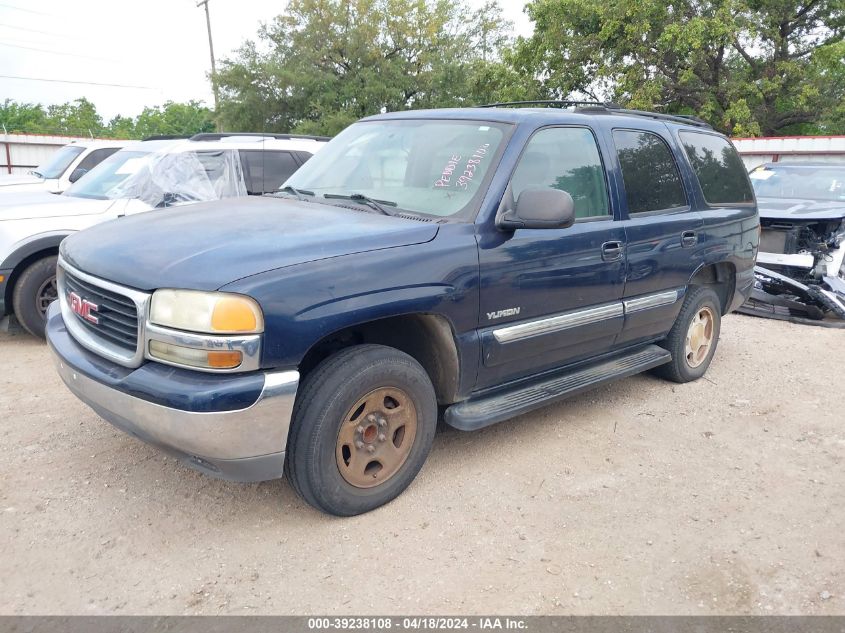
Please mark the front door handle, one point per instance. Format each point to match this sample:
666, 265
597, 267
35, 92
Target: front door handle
689, 238
611, 251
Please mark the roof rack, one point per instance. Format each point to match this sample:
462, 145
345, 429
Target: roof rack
610, 108
164, 137
544, 102
216, 136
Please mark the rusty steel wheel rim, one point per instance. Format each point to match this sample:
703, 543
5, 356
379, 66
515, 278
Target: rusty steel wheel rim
376, 437
700, 336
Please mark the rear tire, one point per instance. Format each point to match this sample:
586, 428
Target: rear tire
34, 291
693, 338
362, 427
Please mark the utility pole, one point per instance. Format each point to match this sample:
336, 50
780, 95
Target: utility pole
204, 3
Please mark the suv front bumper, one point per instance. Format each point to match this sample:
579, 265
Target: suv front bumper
193, 416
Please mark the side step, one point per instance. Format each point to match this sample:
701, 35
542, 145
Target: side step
477, 413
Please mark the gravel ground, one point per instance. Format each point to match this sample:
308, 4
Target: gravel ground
721, 496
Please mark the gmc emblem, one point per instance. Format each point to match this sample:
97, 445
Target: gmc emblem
83, 307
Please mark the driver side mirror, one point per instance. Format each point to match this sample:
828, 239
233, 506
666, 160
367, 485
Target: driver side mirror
76, 174
539, 208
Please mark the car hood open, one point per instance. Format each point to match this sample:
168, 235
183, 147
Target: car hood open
798, 209
208, 245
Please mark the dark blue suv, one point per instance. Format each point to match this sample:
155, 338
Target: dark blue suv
470, 264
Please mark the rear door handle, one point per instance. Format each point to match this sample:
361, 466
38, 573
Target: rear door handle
689, 238
611, 251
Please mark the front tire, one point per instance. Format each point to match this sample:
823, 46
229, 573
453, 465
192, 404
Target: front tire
693, 338
34, 291
362, 428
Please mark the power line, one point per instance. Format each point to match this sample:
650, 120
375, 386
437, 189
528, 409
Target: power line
69, 81
9, 6
45, 50
52, 33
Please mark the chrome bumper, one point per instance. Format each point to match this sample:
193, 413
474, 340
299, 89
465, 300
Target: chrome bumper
243, 445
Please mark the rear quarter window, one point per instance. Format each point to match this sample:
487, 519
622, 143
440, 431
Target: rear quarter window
718, 167
651, 177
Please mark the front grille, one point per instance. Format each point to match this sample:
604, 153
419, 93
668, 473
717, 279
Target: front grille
116, 314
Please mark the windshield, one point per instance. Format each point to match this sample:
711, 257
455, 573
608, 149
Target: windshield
814, 183
433, 167
102, 179
164, 179
58, 162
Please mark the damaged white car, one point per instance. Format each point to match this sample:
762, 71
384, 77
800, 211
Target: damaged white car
800, 271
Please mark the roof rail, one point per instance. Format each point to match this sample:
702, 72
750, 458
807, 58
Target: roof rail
610, 108
164, 137
216, 136
545, 102
686, 119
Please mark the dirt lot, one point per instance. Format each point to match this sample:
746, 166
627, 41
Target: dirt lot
721, 496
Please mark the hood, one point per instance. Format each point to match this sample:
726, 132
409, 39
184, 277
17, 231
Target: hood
798, 209
41, 204
19, 179
208, 245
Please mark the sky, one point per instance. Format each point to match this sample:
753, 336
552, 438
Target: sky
152, 51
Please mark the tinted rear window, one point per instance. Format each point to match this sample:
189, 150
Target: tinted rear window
719, 168
652, 181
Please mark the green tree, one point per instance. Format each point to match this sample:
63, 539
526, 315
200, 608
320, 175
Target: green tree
326, 63
23, 118
176, 119
76, 118
749, 67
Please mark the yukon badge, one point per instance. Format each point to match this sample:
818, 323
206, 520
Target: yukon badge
502, 313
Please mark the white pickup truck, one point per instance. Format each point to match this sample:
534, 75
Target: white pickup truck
63, 168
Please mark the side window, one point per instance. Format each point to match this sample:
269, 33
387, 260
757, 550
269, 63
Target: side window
566, 159
265, 171
652, 181
718, 167
96, 157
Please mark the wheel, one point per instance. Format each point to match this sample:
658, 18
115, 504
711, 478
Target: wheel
34, 291
693, 338
362, 428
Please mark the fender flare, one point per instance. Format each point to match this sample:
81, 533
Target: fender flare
40, 243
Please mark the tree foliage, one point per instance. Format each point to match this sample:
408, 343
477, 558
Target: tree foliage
326, 63
749, 67
80, 118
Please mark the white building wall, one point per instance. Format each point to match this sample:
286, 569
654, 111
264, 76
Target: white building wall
821, 149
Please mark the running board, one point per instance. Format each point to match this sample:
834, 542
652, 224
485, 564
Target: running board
477, 413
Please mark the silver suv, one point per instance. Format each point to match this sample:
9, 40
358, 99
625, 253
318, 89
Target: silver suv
143, 176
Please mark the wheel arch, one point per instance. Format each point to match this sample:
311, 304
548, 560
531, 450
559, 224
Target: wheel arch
26, 254
720, 277
428, 338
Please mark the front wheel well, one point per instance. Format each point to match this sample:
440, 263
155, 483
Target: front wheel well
22, 266
721, 278
427, 338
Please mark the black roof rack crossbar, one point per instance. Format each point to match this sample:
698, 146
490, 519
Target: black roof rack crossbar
216, 136
545, 102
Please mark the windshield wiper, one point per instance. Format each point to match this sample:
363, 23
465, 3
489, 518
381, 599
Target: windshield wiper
36, 173
378, 205
299, 193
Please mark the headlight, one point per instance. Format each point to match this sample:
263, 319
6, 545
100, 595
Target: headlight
206, 312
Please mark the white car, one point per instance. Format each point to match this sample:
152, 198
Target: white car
64, 167
141, 177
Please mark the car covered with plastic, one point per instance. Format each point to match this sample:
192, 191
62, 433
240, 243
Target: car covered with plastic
144, 176
800, 273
